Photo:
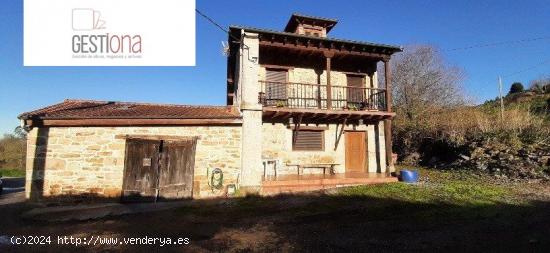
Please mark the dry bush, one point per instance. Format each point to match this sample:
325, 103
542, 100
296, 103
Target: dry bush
518, 126
12, 152
455, 128
433, 116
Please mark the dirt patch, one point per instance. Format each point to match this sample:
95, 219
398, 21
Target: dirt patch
443, 214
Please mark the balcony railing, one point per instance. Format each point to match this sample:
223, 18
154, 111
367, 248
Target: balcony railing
314, 96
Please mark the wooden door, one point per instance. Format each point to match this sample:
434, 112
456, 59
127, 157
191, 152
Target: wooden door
356, 151
176, 169
141, 170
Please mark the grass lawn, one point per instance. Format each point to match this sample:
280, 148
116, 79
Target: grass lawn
12, 172
446, 211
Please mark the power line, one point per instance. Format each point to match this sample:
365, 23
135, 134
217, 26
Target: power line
500, 43
213, 22
527, 69
217, 25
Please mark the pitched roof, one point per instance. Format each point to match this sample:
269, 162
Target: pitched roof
328, 39
329, 23
92, 109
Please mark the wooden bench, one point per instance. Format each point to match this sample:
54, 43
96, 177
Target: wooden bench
323, 166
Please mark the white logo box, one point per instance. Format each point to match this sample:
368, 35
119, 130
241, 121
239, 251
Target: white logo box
61, 32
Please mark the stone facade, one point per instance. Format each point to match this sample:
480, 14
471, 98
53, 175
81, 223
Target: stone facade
67, 161
252, 113
90, 160
277, 138
312, 76
277, 145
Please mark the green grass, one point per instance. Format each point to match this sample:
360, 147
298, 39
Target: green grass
457, 188
12, 172
439, 194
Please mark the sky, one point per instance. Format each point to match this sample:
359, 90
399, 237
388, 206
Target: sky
445, 24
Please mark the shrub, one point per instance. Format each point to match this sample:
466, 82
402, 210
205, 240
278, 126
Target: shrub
448, 131
516, 87
12, 151
540, 85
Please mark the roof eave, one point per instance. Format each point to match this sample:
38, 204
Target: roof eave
361, 43
122, 122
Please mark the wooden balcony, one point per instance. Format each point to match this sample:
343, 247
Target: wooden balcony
317, 101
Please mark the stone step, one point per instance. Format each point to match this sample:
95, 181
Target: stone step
328, 181
303, 187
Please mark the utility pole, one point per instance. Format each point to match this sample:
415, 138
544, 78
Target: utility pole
501, 101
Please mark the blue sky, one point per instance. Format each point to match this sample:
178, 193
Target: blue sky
446, 24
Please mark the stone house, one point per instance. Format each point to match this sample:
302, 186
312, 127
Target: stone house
304, 112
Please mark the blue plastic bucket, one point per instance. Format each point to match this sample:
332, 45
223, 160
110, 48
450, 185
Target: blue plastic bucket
409, 176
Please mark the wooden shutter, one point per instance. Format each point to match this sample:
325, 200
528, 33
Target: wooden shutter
276, 75
312, 140
356, 81
355, 92
276, 88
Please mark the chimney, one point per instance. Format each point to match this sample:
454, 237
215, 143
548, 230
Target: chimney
309, 25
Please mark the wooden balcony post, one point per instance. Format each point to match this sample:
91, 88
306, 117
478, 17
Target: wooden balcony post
387, 123
387, 75
328, 56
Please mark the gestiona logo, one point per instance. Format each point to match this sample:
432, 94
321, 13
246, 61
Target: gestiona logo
91, 38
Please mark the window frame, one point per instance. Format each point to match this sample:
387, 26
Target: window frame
321, 131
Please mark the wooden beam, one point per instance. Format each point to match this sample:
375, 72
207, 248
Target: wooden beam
319, 116
387, 75
329, 86
387, 123
340, 134
156, 137
324, 111
296, 128
334, 117
277, 114
310, 128
331, 48
133, 122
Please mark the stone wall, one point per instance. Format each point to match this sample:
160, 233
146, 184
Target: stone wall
79, 161
251, 110
309, 75
277, 144
277, 138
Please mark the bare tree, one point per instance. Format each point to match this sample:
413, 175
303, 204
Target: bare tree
20, 132
422, 81
12, 151
540, 85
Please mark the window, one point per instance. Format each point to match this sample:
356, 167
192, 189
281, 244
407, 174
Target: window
314, 33
276, 86
356, 80
355, 92
308, 140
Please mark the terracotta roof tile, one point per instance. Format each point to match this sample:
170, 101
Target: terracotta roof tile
91, 109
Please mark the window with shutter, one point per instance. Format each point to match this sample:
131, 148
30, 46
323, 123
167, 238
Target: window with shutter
308, 140
276, 86
355, 92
